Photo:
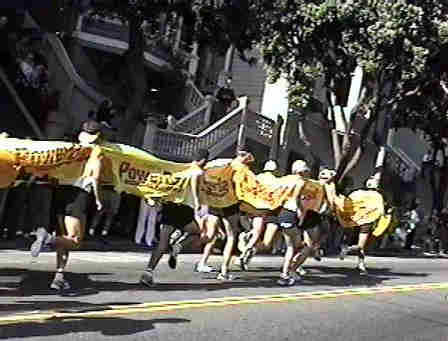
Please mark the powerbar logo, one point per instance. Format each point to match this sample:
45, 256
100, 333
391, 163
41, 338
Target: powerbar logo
132, 175
55, 157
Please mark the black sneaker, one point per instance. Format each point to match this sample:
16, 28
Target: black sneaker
147, 278
41, 239
174, 251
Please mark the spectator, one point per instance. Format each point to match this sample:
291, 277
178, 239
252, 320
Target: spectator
40, 76
442, 232
26, 68
411, 220
226, 101
427, 163
148, 220
105, 113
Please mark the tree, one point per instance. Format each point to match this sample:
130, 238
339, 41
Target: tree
305, 41
425, 108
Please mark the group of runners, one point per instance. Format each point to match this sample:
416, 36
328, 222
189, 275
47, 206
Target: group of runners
302, 231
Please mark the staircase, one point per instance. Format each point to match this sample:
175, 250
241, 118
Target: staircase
15, 120
238, 125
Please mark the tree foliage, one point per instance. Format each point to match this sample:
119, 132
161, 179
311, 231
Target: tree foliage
393, 41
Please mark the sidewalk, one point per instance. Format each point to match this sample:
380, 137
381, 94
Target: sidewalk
114, 243
96, 244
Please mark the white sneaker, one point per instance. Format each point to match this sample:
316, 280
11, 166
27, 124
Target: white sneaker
301, 271
362, 269
91, 232
147, 278
204, 268
286, 280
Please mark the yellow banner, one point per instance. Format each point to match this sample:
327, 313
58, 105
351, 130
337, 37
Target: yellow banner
359, 208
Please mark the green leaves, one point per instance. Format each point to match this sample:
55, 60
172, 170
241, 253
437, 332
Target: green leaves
304, 40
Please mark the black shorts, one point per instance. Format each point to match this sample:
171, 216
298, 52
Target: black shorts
287, 219
311, 220
367, 228
231, 213
176, 215
71, 201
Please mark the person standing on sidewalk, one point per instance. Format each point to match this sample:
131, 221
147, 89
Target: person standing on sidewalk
412, 220
73, 205
442, 232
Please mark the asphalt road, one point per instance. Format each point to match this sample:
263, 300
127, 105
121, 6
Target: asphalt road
401, 299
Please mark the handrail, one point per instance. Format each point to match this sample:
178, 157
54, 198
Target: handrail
193, 116
68, 66
243, 103
28, 117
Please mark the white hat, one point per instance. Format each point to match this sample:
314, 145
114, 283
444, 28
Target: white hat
326, 174
270, 165
299, 166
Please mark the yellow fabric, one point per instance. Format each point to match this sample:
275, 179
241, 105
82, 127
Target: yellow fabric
359, 208
383, 224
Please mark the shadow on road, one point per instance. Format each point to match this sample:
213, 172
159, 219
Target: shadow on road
105, 326
35, 283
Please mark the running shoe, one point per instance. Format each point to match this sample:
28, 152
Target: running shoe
301, 271
60, 284
224, 277
175, 236
204, 268
362, 269
174, 251
296, 276
147, 278
318, 255
344, 252
42, 238
247, 256
243, 265
286, 280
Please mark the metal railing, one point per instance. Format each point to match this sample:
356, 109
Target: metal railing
182, 146
401, 165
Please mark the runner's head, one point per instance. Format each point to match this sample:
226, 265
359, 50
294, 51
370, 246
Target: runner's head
245, 156
90, 132
300, 167
326, 174
270, 166
201, 156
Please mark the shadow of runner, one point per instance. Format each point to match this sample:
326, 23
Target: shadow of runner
109, 326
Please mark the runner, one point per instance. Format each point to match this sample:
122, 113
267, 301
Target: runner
202, 216
263, 221
174, 217
365, 231
288, 220
229, 218
72, 207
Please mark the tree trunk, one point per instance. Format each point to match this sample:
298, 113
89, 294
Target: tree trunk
136, 81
